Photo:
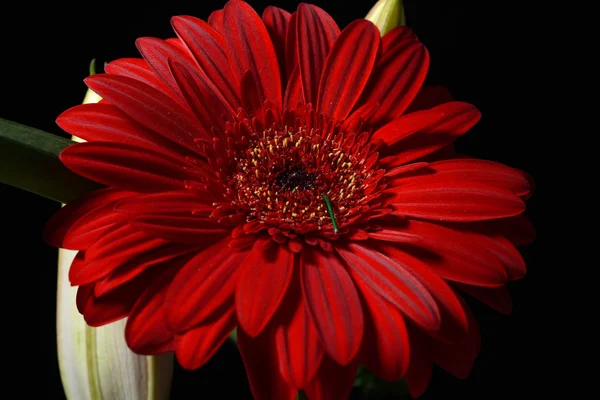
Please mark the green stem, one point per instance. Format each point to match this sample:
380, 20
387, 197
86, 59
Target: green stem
331, 215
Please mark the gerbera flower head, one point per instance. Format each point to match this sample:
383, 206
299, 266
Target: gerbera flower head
298, 182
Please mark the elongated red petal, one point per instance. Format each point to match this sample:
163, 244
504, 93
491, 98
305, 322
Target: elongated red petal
138, 69
149, 107
196, 346
457, 119
504, 251
146, 331
498, 298
421, 365
125, 167
457, 257
208, 49
386, 348
393, 282
395, 235
171, 203
92, 226
396, 79
333, 304
205, 100
101, 310
472, 170
158, 53
459, 201
61, 222
293, 92
315, 34
250, 48
342, 82
406, 125
276, 21
445, 297
264, 279
260, 358
205, 283
332, 382
162, 257
103, 122
215, 19
299, 350
111, 251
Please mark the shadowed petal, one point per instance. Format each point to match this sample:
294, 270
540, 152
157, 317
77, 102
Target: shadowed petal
250, 48
333, 381
342, 81
393, 282
263, 281
196, 346
333, 304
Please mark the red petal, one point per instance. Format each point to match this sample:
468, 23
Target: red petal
315, 34
445, 297
125, 166
333, 304
111, 251
421, 364
215, 19
60, 223
472, 170
403, 127
342, 81
98, 311
429, 97
260, 359
205, 283
396, 79
293, 92
518, 230
92, 226
392, 173
146, 330
138, 69
276, 21
457, 257
393, 282
205, 100
504, 251
459, 201
291, 47
298, 347
458, 118
333, 381
250, 48
356, 120
172, 203
264, 279
498, 298
386, 348
158, 53
149, 107
395, 235
195, 347
162, 257
106, 123
208, 48
191, 230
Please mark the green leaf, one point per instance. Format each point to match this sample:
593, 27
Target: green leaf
29, 161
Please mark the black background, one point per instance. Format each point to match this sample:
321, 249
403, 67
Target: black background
483, 53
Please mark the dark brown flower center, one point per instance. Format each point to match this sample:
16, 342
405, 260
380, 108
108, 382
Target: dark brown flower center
296, 178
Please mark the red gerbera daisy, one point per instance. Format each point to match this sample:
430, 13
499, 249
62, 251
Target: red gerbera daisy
295, 181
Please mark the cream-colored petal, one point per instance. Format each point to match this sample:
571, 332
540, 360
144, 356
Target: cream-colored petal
95, 363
